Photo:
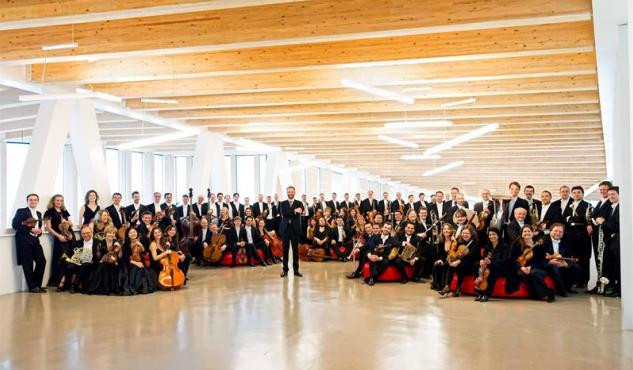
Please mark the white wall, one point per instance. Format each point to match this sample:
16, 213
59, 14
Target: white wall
12, 276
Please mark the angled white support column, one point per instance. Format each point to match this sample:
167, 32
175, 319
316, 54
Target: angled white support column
202, 163
3, 183
45, 152
88, 149
72, 200
277, 172
148, 177
220, 180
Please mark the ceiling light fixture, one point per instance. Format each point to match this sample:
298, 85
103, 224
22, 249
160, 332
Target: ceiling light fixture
421, 88
458, 102
159, 101
65, 45
377, 91
419, 157
462, 138
418, 124
158, 139
444, 168
393, 140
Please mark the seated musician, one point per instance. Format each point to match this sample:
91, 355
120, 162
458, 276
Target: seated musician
144, 229
562, 265
424, 232
340, 237
378, 219
446, 242
160, 248
513, 230
224, 219
397, 223
461, 221
497, 258
312, 225
321, 235
171, 241
253, 238
106, 278
330, 220
369, 233
532, 264
461, 260
264, 244
409, 239
140, 279
77, 273
215, 231
237, 238
201, 241
378, 256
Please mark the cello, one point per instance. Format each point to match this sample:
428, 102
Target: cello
213, 252
171, 277
276, 245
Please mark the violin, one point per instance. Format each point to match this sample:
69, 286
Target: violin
481, 282
170, 277
528, 254
482, 219
137, 250
457, 252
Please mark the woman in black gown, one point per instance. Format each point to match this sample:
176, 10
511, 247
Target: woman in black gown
535, 268
106, 279
321, 235
446, 240
141, 279
89, 210
500, 264
54, 216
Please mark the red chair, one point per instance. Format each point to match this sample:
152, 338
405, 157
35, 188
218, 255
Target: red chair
227, 258
390, 273
340, 250
499, 291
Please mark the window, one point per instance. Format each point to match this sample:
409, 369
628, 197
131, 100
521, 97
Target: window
159, 170
181, 177
246, 176
112, 166
227, 163
136, 171
262, 173
17, 152
337, 183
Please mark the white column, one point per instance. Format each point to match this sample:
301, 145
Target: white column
277, 173
148, 177
311, 182
125, 178
350, 182
217, 176
87, 147
201, 172
70, 184
623, 139
45, 152
3, 183
326, 182
169, 174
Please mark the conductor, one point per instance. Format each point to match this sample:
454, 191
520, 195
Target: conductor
290, 230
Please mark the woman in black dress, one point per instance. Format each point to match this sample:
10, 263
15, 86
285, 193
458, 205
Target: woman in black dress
141, 279
89, 210
461, 263
446, 240
103, 221
534, 269
54, 216
106, 279
171, 242
321, 235
500, 264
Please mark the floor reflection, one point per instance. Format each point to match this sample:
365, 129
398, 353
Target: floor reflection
249, 318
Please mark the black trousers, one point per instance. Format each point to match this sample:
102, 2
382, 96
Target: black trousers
564, 277
196, 251
611, 269
439, 276
580, 241
536, 283
497, 270
56, 274
378, 267
461, 270
268, 254
82, 276
362, 259
31, 253
291, 240
348, 249
252, 253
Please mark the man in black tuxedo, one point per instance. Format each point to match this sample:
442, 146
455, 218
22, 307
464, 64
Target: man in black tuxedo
510, 205
528, 191
611, 255
421, 203
378, 254
183, 209
563, 202
439, 207
369, 204
116, 211
27, 224
260, 207
200, 208
237, 238
548, 213
155, 206
290, 230
602, 209
564, 271
136, 209
346, 203
168, 202
333, 204
490, 206
340, 236
410, 205
409, 237
513, 229
371, 232
577, 231
384, 206
236, 206
453, 201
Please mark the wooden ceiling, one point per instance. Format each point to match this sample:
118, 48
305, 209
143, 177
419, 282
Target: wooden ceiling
271, 71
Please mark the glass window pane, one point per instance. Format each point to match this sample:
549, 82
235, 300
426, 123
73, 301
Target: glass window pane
181, 177
17, 152
262, 173
159, 164
337, 183
136, 167
112, 165
246, 176
227, 163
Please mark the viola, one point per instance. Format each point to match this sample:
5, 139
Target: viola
481, 282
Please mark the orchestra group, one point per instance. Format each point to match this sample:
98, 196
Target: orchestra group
137, 249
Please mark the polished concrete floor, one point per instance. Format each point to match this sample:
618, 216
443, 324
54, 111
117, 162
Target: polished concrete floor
249, 318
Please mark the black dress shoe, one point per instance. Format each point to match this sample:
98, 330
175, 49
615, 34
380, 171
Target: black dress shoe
371, 281
353, 275
283, 274
478, 298
298, 274
484, 298
404, 281
613, 294
571, 291
44, 289
35, 290
551, 298
457, 293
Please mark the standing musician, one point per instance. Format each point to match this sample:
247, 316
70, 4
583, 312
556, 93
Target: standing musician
220, 204
498, 259
409, 239
421, 203
397, 204
155, 206
370, 233
528, 191
55, 215
578, 231
211, 212
454, 199
200, 208
333, 204
89, 210
185, 208
27, 224
341, 237
562, 203
485, 210
384, 206
136, 209
602, 209
548, 214
439, 208
561, 266
424, 232
509, 205
290, 230
260, 207
168, 202
116, 211
237, 208
378, 256
368, 204
410, 205
357, 200
346, 203
611, 225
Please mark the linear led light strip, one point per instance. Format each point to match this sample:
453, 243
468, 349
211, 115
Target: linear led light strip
377, 91
462, 138
159, 101
419, 124
444, 168
79, 94
458, 102
65, 45
393, 140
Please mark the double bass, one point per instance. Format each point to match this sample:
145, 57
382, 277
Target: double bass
171, 277
190, 227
